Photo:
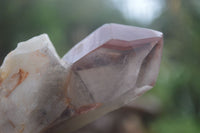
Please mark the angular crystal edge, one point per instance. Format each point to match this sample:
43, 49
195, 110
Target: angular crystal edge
106, 33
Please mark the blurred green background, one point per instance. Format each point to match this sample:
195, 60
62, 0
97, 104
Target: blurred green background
69, 21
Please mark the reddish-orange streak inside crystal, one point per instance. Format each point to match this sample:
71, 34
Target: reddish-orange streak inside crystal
85, 108
22, 76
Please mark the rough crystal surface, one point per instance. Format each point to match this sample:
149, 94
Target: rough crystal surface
32, 85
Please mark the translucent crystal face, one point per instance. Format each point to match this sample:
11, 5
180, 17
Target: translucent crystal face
113, 70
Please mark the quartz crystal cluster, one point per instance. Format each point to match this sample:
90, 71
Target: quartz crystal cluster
39, 92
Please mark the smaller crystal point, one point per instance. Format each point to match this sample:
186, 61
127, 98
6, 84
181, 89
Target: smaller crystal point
33, 80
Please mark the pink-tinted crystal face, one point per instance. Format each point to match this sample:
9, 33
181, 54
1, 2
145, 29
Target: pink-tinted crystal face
116, 68
114, 63
110, 68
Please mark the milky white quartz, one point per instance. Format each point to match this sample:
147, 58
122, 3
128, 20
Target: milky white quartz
39, 92
32, 87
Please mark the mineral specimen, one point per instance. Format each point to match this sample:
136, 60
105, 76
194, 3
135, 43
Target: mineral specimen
39, 92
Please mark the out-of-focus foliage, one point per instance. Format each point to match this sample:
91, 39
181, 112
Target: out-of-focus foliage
69, 21
175, 125
65, 21
178, 83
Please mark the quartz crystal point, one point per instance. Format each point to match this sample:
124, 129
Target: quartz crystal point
111, 67
39, 92
32, 86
